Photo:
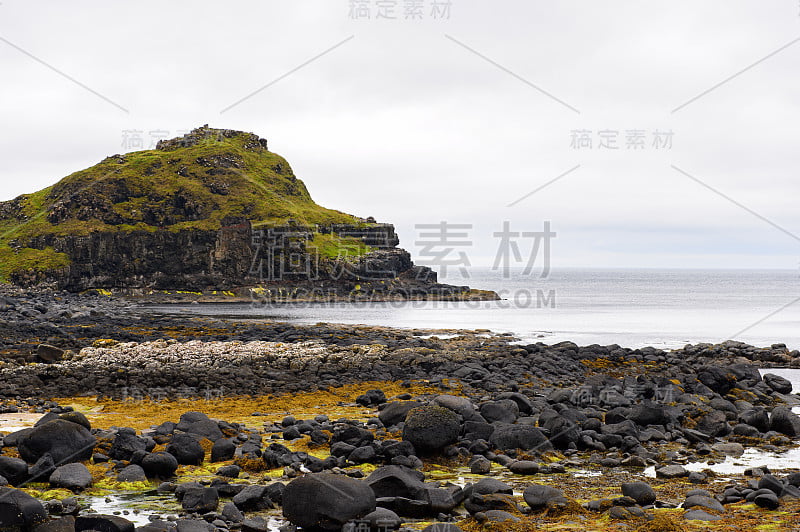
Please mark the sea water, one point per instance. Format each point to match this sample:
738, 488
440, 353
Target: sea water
632, 308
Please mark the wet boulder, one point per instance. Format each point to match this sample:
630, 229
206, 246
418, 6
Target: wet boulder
222, 450
479, 465
63, 440
719, 379
747, 375
771, 483
649, 413
103, 523
200, 500
503, 411
563, 432
756, 417
641, 492
714, 424
766, 500
523, 403
42, 469
132, 473
255, 524
526, 437
254, 497
395, 412
743, 429
478, 430
73, 477
206, 429
76, 417
371, 398
194, 525
488, 486
231, 513
621, 429
229, 471
15, 470
778, 384
672, 471
186, 449
327, 501
785, 421
13, 439
125, 444
65, 523
159, 465
478, 503
396, 481
352, 435
20, 511
187, 418
460, 405
703, 502
539, 497
49, 353
383, 519
523, 467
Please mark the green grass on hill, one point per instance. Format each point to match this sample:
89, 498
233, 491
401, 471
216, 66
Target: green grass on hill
192, 187
29, 259
335, 247
195, 186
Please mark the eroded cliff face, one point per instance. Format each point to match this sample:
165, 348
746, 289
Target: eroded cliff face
213, 210
277, 261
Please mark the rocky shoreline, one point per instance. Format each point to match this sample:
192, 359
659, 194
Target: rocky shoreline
254, 426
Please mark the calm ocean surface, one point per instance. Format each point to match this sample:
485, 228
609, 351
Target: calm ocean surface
632, 308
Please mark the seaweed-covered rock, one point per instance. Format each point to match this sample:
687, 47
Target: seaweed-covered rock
430, 428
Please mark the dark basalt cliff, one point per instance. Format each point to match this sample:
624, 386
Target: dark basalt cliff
211, 211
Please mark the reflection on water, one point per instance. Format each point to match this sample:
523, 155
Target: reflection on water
139, 507
134, 506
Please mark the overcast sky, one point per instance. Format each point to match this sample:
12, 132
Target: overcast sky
452, 114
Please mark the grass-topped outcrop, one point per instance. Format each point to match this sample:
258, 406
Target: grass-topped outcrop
191, 182
214, 209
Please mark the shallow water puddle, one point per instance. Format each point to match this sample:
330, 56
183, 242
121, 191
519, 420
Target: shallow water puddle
138, 507
736, 465
18, 421
134, 506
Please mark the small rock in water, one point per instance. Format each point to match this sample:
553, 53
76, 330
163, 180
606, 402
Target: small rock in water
672, 471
